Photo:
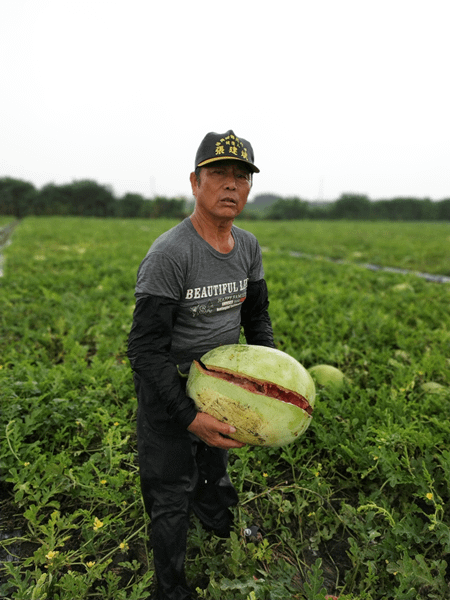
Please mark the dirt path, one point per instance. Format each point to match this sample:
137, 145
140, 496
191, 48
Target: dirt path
5, 239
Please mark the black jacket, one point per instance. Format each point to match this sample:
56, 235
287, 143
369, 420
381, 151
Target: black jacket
150, 341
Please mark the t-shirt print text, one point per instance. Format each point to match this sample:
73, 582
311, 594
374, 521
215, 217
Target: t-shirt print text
219, 297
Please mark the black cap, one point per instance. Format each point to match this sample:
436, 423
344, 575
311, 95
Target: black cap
225, 146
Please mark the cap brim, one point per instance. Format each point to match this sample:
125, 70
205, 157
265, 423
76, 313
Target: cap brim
251, 166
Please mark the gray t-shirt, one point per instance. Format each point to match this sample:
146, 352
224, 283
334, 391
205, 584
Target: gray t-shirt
208, 285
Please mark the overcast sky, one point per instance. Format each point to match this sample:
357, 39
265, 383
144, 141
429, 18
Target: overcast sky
335, 96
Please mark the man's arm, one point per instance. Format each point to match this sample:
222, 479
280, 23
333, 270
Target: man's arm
255, 317
149, 346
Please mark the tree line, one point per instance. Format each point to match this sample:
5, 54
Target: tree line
353, 207
88, 198
81, 198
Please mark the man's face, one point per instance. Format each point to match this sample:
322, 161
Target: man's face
223, 189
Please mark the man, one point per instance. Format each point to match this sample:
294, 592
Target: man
198, 284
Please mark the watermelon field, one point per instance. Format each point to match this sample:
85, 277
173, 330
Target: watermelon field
357, 508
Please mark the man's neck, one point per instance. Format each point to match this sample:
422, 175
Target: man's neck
216, 233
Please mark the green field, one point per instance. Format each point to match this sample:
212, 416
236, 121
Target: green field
357, 508
415, 246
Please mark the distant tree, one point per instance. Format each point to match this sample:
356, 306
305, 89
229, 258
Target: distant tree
443, 210
84, 198
173, 208
90, 199
147, 209
406, 209
351, 206
320, 210
250, 213
54, 200
289, 208
264, 200
16, 197
129, 206
381, 210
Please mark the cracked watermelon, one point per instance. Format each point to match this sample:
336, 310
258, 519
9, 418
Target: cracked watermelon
264, 393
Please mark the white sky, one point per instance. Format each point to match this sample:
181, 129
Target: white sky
334, 95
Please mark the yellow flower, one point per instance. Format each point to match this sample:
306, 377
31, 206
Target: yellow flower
430, 496
25, 464
90, 564
123, 546
97, 524
265, 475
117, 423
51, 555
103, 481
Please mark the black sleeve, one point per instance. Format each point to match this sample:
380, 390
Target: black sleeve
255, 317
149, 346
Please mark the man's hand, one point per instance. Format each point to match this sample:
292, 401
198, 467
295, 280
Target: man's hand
212, 432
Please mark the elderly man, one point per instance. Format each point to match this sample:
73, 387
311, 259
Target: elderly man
198, 284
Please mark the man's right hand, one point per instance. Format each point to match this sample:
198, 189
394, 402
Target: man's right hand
212, 432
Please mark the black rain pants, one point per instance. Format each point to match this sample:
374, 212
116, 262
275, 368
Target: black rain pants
178, 473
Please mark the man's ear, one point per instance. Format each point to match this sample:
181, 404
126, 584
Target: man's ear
194, 183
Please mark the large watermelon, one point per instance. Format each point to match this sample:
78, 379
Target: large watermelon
264, 393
